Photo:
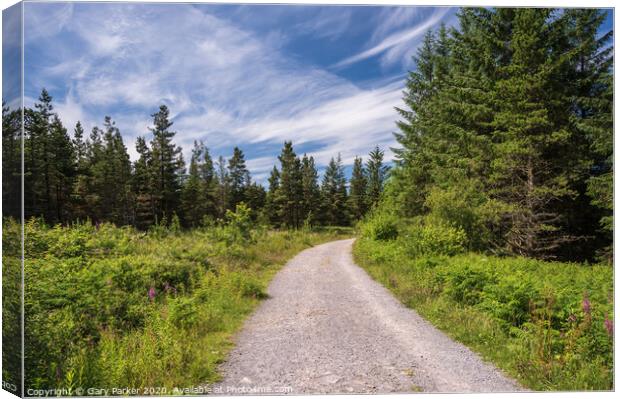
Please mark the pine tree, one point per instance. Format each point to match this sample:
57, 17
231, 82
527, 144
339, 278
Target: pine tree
272, 204
168, 163
193, 194
79, 191
209, 181
62, 169
591, 91
255, 198
238, 177
143, 186
412, 179
334, 194
358, 189
530, 125
311, 194
110, 195
290, 192
37, 164
223, 192
377, 174
79, 146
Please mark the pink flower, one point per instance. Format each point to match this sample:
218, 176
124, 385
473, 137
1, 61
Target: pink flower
586, 305
609, 325
152, 294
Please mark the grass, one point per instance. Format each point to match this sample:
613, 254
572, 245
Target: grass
114, 307
547, 324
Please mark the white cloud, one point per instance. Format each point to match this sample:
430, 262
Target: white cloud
222, 84
329, 23
48, 19
391, 19
71, 112
397, 43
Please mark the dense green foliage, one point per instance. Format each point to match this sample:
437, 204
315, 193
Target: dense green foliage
548, 324
507, 132
114, 307
77, 179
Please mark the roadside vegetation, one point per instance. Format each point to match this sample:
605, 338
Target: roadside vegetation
110, 306
548, 324
496, 222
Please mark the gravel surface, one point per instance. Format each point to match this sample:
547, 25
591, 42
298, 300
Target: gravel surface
329, 328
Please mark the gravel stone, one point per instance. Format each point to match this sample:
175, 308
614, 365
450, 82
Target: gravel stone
328, 327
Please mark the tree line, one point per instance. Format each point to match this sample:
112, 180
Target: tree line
77, 178
507, 132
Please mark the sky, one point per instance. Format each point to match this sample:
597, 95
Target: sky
326, 77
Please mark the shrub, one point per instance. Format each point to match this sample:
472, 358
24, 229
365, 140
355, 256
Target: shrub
380, 226
433, 239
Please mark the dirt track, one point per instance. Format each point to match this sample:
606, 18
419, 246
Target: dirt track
329, 328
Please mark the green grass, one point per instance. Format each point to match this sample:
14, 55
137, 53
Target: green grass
544, 323
90, 321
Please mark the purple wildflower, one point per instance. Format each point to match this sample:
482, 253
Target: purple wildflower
586, 305
572, 318
609, 325
152, 294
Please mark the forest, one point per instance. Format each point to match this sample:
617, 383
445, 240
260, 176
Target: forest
71, 178
507, 133
494, 222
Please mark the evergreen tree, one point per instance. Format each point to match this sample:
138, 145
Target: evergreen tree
110, 196
358, 189
63, 169
334, 194
223, 192
530, 126
272, 203
209, 182
193, 194
143, 186
591, 92
37, 164
411, 181
290, 191
311, 194
238, 177
377, 173
501, 114
255, 198
167, 161
79, 146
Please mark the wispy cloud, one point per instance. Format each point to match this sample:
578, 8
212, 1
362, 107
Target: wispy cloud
329, 23
225, 85
397, 43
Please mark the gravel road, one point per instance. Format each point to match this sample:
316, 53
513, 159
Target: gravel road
329, 328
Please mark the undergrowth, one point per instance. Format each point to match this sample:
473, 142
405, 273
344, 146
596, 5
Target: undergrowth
114, 307
548, 324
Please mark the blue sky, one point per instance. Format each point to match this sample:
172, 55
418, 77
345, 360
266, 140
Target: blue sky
326, 77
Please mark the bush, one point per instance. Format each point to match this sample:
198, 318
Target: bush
421, 239
380, 226
465, 206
